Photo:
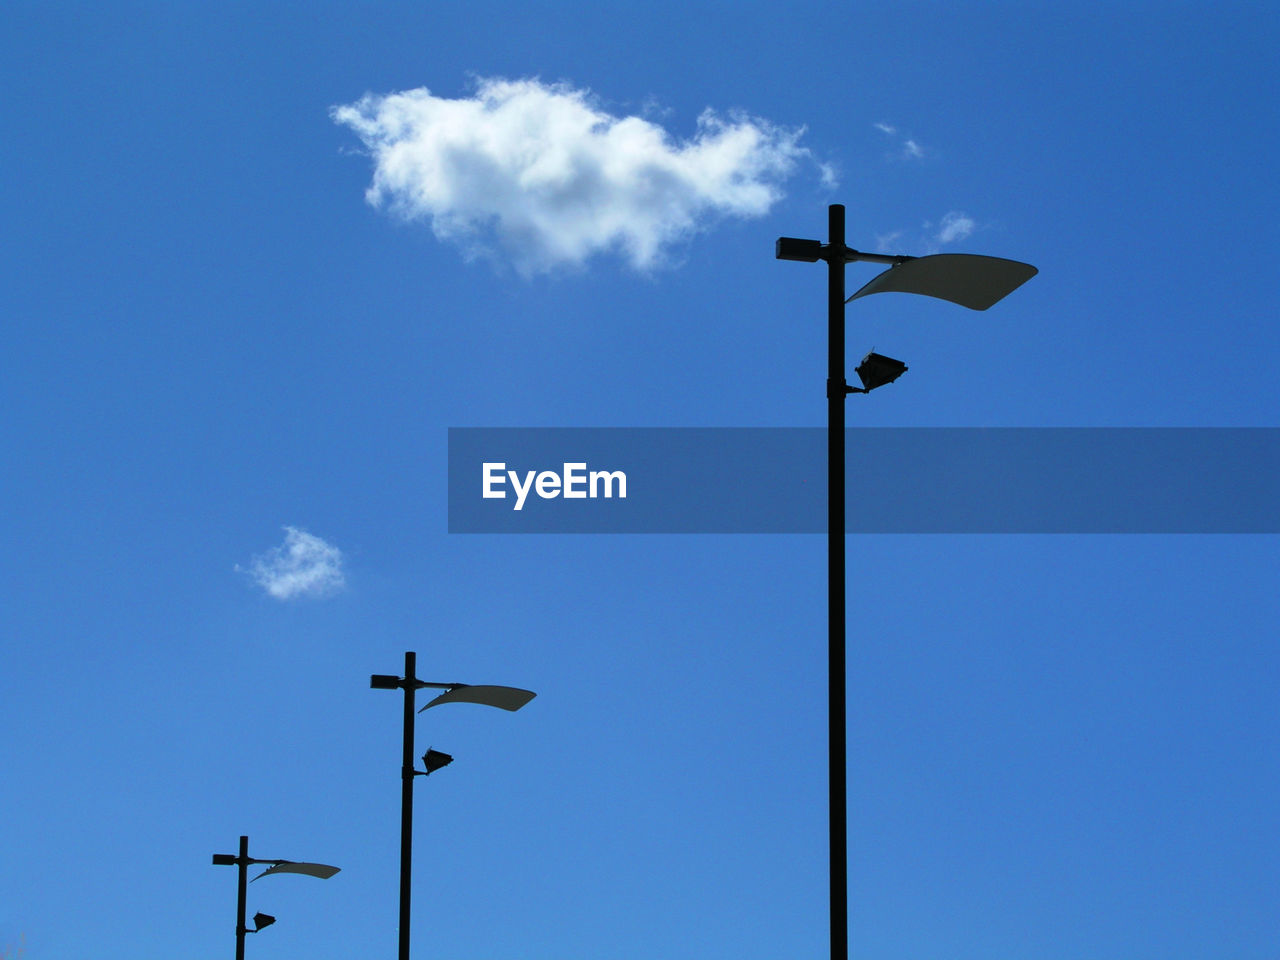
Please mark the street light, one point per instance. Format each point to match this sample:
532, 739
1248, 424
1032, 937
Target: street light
505, 698
242, 860
976, 282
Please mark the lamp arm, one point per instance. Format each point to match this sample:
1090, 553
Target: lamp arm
855, 255
851, 255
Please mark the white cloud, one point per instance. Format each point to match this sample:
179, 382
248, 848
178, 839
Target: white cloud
908, 148
540, 175
932, 236
954, 226
888, 242
303, 566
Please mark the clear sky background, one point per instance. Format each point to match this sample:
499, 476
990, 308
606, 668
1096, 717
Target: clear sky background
218, 356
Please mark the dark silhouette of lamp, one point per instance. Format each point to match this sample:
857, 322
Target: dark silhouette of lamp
261, 920
976, 282
433, 760
504, 698
876, 370
242, 860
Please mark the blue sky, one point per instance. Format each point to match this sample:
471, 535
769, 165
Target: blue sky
217, 355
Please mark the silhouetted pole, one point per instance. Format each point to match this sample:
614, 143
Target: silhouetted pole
836, 761
970, 280
241, 861
406, 802
505, 698
242, 892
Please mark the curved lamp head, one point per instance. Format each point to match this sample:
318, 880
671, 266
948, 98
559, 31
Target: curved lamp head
321, 871
505, 698
971, 280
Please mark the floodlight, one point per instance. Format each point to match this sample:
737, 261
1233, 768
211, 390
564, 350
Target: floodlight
876, 370
261, 920
789, 248
433, 760
381, 681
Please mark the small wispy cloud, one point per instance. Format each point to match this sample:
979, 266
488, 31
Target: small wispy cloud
954, 226
888, 242
931, 237
542, 176
303, 566
905, 148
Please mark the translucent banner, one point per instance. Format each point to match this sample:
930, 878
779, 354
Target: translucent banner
898, 480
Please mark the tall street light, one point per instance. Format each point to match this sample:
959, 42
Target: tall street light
242, 860
972, 281
505, 698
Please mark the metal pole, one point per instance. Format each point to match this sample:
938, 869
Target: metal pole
837, 806
406, 802
242, 889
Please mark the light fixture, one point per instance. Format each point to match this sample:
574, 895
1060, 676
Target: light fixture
321, 871
792, 248
433, 760
876, 370
972, 281
242, 860
261, 920
504, 698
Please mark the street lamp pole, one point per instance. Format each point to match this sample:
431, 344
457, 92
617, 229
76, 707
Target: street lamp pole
969, 280
406, 801
411, 685
505, 698
836, 254
836, 696
241, 861
242, 895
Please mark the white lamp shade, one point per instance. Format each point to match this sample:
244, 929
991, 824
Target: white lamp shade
505, 698
321, 870
969, 279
